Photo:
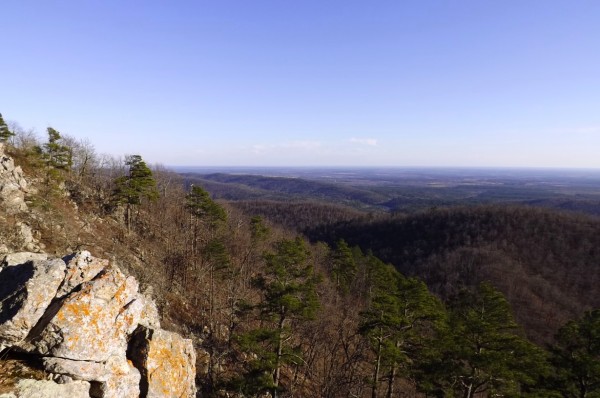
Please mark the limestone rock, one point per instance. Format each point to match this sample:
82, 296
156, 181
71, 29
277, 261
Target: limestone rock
91, 324
149, 316
29, 242
26, 291
81, 267
12, 184
114, 378
123, 381
78, 370
83, 319
163, 357
22, 258
29, 388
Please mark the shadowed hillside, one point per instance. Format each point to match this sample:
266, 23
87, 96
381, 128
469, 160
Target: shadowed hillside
547, 263
244, 187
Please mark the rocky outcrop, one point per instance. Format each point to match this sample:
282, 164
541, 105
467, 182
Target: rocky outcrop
29, 388
88, 325
13, 185
162, 357
26, 291
13, 188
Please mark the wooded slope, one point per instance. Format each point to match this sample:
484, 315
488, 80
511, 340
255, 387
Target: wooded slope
547, 263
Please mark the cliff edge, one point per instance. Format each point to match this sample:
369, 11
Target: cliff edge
77, 326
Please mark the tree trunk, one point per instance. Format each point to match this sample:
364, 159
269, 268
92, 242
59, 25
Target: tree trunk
392, 378
277, 375
376, 372
470, 392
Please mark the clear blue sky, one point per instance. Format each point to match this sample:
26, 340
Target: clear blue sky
322, 83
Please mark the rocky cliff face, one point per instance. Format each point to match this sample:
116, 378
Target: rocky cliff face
13, 185
77, 326
89, 329
13, 188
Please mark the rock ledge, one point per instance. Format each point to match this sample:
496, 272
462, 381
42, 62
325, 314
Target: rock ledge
92, 331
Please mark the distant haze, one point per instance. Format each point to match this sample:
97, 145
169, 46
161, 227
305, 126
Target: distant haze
311, 83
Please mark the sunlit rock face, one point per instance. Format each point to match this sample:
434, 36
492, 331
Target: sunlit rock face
92, 330
12, 185
92, 323
26, 291
163, 357
29, 388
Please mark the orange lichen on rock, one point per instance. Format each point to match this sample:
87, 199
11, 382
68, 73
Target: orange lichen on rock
91, 322
167, 362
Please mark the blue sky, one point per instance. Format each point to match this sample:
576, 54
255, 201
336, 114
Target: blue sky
311, 83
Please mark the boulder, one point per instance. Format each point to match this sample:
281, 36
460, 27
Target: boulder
149, 312
78, 370
81, 267
123, 380
12, 185
29, 388
26, 291
22, 258
163, 357
117, 377
92, 323
28, 241
83, 319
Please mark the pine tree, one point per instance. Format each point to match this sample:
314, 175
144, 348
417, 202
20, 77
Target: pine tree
343, 266
258, 230
398, 323
486, 353
5, 132
58, 155
137, 185
576, 357
288, 290
200, 204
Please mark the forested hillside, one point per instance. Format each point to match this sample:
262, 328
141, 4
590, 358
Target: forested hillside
547, 263
406, 191
298, 216
244, 187
272, 313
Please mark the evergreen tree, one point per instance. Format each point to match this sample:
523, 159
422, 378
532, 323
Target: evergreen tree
137, 185
200, 204
576, 357
258, 230
288, 289
343, 266
5, 132
217, 261
58, 155
399, 323
486, 353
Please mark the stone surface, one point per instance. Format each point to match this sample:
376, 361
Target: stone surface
29, 242
149, 316
92, 324
12, 185
28, 388
163, 357
83, 318
14, 370
123, 380
78, 370
81, 267
117, 377
26, 291
22, 258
